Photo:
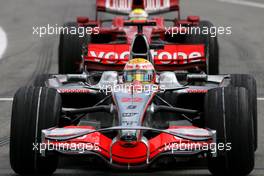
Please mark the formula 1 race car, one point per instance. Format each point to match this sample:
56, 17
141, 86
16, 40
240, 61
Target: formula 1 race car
107, 47
135, 118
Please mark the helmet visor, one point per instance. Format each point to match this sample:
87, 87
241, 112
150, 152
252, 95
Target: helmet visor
144, 76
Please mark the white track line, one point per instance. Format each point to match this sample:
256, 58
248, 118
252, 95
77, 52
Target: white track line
3, 42
244, 2
6, 99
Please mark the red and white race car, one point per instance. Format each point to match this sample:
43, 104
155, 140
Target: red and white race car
107, 47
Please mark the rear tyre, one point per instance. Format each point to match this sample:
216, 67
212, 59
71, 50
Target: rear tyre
211, 47
249, 82
33, 109
227, 111
70, 51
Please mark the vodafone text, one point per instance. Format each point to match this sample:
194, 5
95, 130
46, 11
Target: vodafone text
164, 56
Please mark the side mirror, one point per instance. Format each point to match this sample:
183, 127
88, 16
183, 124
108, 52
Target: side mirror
82, 19
193, 19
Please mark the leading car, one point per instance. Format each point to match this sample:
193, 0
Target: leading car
135, 118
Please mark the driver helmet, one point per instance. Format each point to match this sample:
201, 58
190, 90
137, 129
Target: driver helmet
139, 70
138, 14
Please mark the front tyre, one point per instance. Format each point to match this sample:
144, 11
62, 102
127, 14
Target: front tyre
227, 111
249, 82
34, 109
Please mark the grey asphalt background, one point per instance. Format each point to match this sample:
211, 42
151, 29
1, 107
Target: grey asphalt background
28, 55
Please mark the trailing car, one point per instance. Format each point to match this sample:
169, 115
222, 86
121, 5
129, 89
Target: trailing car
135, 118
107, 48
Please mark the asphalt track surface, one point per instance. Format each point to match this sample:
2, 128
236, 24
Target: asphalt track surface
27, 55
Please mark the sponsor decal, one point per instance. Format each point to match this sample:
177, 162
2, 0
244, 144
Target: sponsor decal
127, 123
197, 91
129, 114
124, 5
135, 99
157, 4
74, 90
171, 54
132, 107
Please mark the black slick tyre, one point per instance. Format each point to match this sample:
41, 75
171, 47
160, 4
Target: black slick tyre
227, 111
34, 109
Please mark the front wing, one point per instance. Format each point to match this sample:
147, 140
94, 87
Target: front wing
79, 140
